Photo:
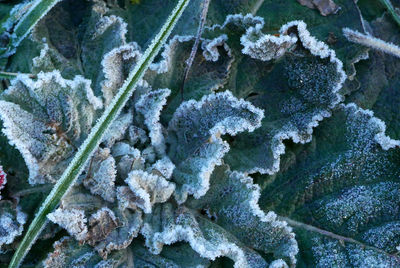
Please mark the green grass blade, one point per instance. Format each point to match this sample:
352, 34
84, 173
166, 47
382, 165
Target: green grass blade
37, 11
9, 75
391, 10
87, 148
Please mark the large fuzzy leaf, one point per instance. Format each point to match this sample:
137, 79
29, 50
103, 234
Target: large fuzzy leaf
47, 120
342, 193
225, 222
294, 77
209, 73
194, 134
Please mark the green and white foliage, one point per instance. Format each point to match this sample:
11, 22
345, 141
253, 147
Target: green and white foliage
294, 77
12, 221
225, 222
345, 204
252, 161
47, 119
194, 135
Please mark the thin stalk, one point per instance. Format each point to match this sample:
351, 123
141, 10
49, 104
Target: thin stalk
88, 147
372, 42
9, 75
391, 10
189, 61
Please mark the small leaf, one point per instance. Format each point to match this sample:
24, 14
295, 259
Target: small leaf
12, 221
149, 189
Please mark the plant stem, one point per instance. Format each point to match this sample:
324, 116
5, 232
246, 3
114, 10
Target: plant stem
189, 61
91, 143
391, 10
8, 75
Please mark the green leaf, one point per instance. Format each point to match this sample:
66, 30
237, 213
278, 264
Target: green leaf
210, 70
205, 120
341, 193
295, 78
225, 222
60, 114
82, 156
174, 256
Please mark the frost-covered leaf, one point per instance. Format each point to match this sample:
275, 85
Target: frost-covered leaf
232, 203
150, 106
58, 29
129, 159
116, 66
324, 28
47, 119
106, 229
118, 129
58, 38
226, 236
341, 193
73, 220
68, 253
149, 189
175, 256
101, 224
103, 34
205, 237
210, 69
195, 137
76, 39
121, 237
101, 174
297, 91
12, 221
163, 167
